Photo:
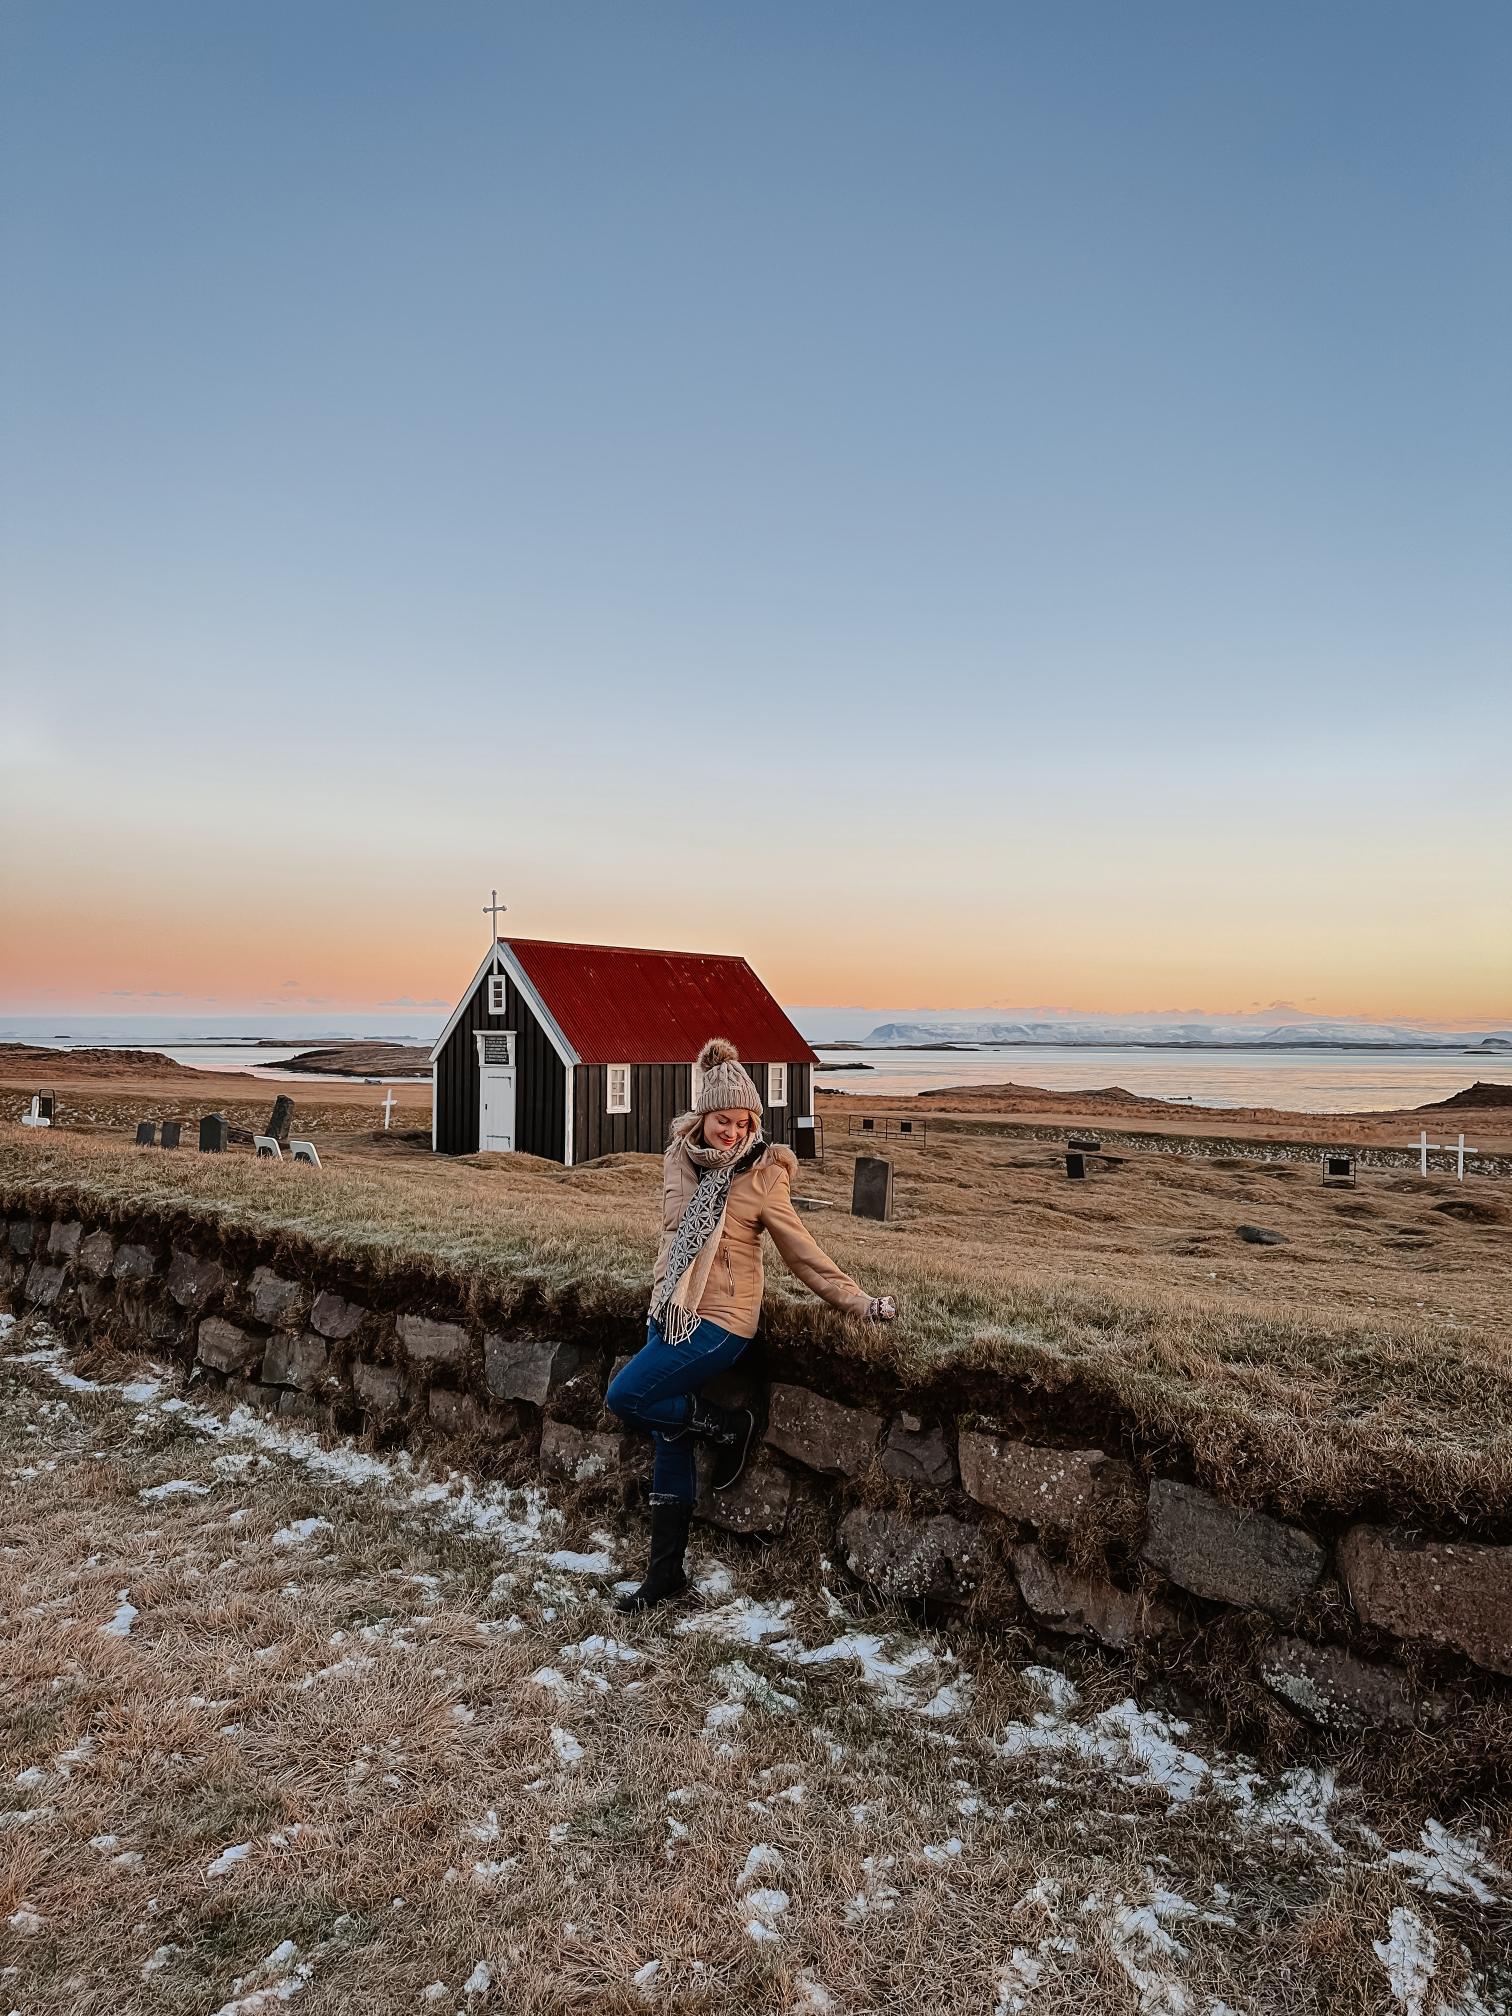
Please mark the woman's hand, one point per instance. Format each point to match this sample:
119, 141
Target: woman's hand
882, 1309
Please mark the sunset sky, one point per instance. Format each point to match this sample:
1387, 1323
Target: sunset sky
973, 505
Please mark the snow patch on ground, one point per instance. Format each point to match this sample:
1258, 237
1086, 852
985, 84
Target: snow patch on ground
1409, 1954
299, 1530
287, 1976
1449, 1865
121, 1623
568, 1749
571, 1563
742, 1622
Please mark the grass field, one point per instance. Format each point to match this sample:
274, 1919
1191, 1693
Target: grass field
292, 1724
1367, 1360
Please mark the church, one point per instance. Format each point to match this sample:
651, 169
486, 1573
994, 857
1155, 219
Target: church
575, 1051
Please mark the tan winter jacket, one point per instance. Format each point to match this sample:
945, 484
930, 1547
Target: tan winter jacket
761, 1198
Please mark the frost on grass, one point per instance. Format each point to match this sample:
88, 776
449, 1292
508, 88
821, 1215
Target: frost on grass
789, 1678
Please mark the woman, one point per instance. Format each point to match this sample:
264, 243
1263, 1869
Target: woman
722, 1182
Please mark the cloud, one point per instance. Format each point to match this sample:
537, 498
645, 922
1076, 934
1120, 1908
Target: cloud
405, 1001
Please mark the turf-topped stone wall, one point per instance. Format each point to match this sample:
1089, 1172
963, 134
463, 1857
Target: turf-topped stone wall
1353, 1624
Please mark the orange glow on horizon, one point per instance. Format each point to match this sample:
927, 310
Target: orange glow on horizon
294, 955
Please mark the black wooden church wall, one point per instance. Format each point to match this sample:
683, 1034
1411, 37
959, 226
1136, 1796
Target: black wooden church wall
658, 1093
540, 1080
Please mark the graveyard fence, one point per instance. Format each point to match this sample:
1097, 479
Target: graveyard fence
882, 1127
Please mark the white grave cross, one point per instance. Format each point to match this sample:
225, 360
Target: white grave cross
389, 1103
1455, 1148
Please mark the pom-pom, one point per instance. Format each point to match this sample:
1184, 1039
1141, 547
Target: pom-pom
718, 1050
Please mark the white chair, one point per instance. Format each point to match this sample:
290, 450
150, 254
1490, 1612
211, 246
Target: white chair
304, 1151
267, 1148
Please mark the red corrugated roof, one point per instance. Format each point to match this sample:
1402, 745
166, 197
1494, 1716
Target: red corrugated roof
619, 1004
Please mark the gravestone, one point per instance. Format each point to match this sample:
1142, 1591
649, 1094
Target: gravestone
172, 1131
871, 1194
868, 1124
905, 1126
1339, 1170
304, 1151
1086, 1144
281, 1119
803, 1140
146, 1133
213, 1131
1076, 1164
45, 1105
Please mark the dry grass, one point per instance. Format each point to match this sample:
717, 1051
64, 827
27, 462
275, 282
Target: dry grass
1366, 1364
478, 1782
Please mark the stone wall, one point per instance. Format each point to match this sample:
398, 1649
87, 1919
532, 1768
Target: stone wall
1355, 1627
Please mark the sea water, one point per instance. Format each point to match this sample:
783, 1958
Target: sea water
1297, 1081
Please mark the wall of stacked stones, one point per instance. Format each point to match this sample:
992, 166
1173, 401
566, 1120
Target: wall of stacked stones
1354, 1626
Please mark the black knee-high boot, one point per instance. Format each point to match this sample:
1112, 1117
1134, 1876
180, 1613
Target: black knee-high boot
665, 1577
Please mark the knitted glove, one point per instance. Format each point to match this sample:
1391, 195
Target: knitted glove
881, 1309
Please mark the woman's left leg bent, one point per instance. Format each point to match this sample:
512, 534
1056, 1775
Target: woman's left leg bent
652, 1392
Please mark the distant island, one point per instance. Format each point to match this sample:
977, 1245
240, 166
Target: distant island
363, 1060
1232, 1035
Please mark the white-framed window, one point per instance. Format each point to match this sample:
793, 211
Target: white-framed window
617, 1078
496, 998
495, 1046
777, 1084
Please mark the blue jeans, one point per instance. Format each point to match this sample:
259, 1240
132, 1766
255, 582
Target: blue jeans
651, 1392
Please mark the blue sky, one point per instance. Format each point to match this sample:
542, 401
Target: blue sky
1016, 495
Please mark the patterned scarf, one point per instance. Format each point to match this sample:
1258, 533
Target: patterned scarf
675, 1303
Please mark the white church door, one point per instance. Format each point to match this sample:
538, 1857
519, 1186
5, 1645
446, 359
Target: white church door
496, 1109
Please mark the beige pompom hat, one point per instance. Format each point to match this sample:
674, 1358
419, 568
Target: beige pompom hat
726, 1085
